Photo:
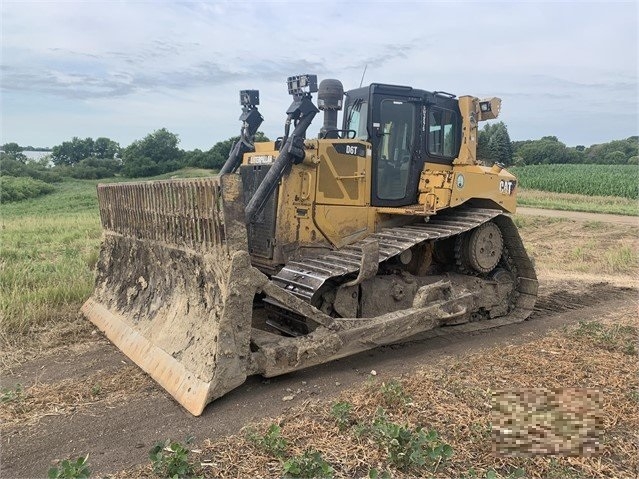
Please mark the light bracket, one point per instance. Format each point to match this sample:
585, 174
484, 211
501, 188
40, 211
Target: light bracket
249, 97
301, 84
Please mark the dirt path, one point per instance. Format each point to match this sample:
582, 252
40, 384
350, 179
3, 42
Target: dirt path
580, 216
118, 432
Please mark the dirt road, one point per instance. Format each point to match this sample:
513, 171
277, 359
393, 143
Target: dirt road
118, 432
580, 216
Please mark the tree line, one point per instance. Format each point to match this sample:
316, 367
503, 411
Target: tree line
494, 144
159, 152
86, 158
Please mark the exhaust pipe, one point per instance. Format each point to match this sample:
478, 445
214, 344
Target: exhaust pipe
329, 99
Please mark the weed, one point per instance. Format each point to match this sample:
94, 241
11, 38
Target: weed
371, 381
68, 469
375, 474
515, 474
341, 412
308, 464
621, 259
481, 430
558, 469
520, 221
408, 447
272, 441
171, 459
359, 430
594, 225
578, 253
611, 337
394, 394
96, 389
12, 395
633, 394
91, 259
471, 474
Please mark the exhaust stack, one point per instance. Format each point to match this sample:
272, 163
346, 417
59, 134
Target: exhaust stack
329, 100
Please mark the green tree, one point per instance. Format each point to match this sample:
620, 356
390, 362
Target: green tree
105, 148
494, 145
547, 150
599, 153
156, 153
499, 146
196, 158
615, 158
72, 152
14, 152
218, 154
574, 155
483, 138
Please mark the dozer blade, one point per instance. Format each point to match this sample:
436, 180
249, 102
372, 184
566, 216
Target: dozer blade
174, 287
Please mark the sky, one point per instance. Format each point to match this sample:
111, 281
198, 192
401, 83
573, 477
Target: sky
124, 69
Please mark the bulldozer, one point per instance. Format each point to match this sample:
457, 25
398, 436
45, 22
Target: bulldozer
304, 250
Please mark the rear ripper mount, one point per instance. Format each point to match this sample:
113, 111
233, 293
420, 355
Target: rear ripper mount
175, 290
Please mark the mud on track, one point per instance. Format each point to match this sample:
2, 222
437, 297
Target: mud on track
96, 402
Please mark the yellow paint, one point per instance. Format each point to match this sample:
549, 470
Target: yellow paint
324, 202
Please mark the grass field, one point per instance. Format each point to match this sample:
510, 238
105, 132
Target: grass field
574, 202
49, 247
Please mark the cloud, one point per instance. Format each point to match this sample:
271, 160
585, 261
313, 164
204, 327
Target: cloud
112, 83
611, 85
120, 66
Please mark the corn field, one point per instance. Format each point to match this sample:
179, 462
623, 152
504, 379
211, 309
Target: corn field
592, 180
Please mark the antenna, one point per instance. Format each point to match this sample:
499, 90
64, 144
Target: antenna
362, 80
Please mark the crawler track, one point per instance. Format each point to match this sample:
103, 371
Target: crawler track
305, 278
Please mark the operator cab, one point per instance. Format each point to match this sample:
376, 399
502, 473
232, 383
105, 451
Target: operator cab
406, 128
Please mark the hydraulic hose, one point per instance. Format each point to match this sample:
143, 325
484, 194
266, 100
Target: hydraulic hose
291, 151
252, 121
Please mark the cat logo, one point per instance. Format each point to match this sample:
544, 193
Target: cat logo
507, 187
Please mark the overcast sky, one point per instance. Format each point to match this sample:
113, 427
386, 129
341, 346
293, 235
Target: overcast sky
124, 69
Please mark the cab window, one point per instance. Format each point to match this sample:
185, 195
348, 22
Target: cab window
395, 148
357, 117
442, 132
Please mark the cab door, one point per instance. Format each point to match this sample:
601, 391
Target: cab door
397, 158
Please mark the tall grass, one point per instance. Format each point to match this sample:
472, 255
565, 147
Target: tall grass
49, 246
573, 202
17, 189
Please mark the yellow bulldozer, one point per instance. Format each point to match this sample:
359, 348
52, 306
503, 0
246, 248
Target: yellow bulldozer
302, 251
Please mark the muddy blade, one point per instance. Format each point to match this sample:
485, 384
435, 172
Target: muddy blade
190, 391
174, 286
